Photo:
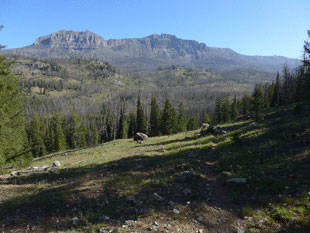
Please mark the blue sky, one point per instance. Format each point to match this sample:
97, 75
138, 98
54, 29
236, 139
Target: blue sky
253, 27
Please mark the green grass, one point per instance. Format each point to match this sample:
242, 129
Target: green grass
273, 155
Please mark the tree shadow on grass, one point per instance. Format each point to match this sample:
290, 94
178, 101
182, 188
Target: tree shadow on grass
93, 191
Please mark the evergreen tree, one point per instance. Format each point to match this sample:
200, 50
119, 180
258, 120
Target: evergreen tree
141, 118
109, 127
169, 119
182, 119
218, 110
132, 128
306, 69
246, 104
122, 131
192, 123
226, 113
155, 118
95, 135
276, 93
72, 131
59, 141
48, 136
35, 137
207, 119
82, 135
13, 139
257, 102
234, 109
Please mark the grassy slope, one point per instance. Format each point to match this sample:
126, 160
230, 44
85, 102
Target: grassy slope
273, 155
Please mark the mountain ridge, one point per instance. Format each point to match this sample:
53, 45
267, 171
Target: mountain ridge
147, 53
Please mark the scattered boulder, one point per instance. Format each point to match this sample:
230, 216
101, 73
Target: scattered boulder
158, 197
186, 177
229, 174
237, 180
53, 169
140, 136
140, 142
205, 126
74, 220
56, 164
14, 173
171, 203
130, 223
176, 211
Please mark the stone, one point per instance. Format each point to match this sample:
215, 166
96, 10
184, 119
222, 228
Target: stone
187, 192
155, 223
200, 231
74, 220
140, 142
229, 174
205, 126
237, 180
240, 231
14, 173
176, 211
53, 169
186, 176
140, 136
158, 197
171, 203
130, 223
56, 164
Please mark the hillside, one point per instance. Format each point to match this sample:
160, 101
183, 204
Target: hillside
173, 183
61, 84
151, 52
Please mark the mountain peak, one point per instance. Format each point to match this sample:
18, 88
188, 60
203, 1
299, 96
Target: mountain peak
64, 38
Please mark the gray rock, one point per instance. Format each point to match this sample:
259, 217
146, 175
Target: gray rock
130, 223
176, 211
158, 197
14, 173
186, 176
140, 136
171, 203
240, 231
53, 169
140, 142
74, 220
229, 174
56, 164
237, 180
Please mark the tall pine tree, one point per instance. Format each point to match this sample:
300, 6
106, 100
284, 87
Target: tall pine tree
122, 131
13, 139
155, 118
141, 118
169, 119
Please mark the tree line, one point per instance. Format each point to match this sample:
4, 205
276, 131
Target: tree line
58, 132
290, 87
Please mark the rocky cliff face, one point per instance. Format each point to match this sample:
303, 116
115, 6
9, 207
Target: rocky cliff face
149, 52
71, 39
